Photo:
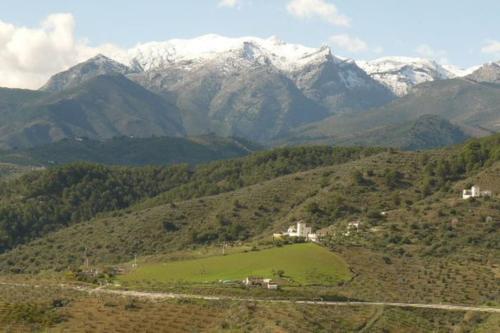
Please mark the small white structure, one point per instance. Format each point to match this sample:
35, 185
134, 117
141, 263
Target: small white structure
273, 286
352, 226
475, 192
301, 230
252, 281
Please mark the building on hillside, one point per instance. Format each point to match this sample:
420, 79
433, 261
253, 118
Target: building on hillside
272, 286
475, 192
300, 230
253, 281
352, 226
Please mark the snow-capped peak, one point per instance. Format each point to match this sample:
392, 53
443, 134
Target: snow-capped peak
284, 56
401, 73
460, 72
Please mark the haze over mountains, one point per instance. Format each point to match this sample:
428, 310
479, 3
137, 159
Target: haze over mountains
264, 90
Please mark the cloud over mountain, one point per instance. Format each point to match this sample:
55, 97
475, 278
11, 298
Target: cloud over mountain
491, 47
29, 56
349, 43
307, 9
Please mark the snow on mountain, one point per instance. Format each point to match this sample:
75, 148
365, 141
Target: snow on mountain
460, 72
401, 73
98, 65
190, 52
489, 72
228, 56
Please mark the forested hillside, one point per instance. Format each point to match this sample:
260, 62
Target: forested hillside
44, 201
252, 197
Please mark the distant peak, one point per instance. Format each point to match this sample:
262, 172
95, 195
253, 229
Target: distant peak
400, 74
100, 58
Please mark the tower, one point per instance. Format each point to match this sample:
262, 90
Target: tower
476, 191
301, 229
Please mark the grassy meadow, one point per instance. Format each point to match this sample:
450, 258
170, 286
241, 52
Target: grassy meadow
305, 264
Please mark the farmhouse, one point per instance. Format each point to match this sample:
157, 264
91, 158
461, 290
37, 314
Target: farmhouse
352, 226
475, 192
253, 281
300, 230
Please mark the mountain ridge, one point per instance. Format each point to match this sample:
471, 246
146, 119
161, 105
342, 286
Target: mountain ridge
132, 151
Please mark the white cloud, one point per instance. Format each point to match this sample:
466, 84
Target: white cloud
229, 3
350, 43
29, 56
491, 47
426, 51
328, 12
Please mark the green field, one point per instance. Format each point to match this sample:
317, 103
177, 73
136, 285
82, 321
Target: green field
302, 263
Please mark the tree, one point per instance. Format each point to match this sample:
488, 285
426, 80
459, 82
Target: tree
392, 178
357, 177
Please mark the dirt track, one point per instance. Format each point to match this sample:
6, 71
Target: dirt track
153, 296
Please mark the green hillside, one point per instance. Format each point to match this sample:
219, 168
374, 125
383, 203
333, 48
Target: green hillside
425, 132
426, 246
428, 131
41, 202
133, 151
294, 260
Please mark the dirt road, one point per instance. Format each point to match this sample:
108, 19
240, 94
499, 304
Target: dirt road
157, 296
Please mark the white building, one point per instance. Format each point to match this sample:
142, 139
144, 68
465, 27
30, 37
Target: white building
475, 192
300, 230
252, 281
352, 226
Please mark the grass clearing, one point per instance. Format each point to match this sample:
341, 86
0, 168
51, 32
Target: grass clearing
305, 264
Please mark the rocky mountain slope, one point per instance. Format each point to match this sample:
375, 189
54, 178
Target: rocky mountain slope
251, 87
489, 72
98, 65
264, 90
321, 76
101, 107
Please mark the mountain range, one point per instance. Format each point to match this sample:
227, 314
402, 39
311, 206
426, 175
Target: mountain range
264, 90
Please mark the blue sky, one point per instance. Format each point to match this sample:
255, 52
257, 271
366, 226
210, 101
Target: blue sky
463, 33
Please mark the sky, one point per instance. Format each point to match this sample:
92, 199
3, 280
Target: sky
41, 37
